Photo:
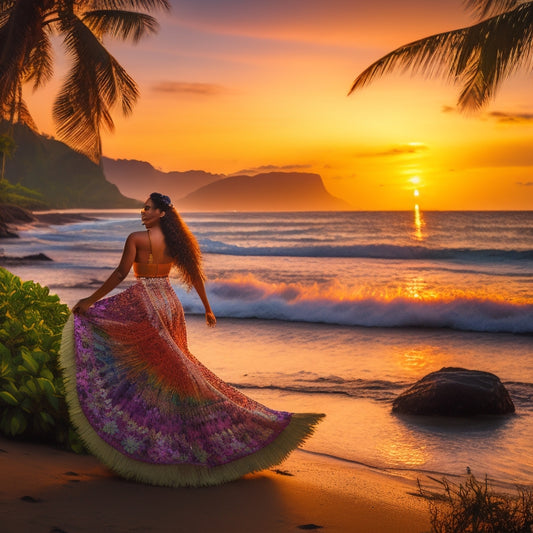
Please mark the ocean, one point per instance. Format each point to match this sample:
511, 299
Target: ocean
339, 312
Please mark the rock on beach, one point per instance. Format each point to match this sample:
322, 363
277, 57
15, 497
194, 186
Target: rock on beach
12, 217
455, 392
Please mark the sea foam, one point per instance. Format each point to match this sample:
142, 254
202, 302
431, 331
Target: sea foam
247, 297
373, 251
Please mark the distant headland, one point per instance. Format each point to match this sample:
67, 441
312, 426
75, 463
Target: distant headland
65, 179
196, 190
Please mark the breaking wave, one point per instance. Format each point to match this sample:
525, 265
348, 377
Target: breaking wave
247, 297
373, 251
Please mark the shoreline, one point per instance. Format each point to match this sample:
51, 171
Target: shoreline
43, 488
426, 345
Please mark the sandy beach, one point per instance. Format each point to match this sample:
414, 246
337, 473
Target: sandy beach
286, 360
44, 489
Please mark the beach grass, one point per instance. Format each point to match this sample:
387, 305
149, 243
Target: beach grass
474, 506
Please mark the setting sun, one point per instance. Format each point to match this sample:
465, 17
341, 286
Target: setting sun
365, 254
267, 90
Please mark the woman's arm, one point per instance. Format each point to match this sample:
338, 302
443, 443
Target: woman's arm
128, 256
209, 315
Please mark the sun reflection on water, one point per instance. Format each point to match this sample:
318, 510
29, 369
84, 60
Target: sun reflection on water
418, 224
418, 359
404, 449
417, 288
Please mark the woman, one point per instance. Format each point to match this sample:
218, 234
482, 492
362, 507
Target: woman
142, 403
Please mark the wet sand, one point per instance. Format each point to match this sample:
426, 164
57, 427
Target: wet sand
45, 490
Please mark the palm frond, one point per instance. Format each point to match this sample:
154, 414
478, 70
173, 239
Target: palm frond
18, 36
93, 86
5, 10
122, 24
23, 115
428, 56
111, 82
6, 5
138, 5
40, 61
478, 57
14, 109
80, 129
489, 8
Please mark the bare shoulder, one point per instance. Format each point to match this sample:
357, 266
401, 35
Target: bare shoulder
137, 238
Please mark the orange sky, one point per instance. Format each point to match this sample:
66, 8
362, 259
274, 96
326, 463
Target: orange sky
235, 85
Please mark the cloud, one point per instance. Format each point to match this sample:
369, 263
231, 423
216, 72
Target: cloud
188, 88
503, 117
525, 183
270, 168
402, 149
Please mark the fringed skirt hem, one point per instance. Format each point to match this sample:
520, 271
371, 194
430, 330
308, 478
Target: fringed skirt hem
300, 427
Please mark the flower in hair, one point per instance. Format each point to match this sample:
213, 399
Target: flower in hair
161, 198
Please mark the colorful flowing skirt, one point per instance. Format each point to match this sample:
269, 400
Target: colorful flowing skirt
150, 411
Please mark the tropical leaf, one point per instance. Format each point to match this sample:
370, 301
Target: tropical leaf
487, 8
46, 386
5, 369
122, 24
40, 59
478, 57
46, 418
96, 81
29, 362
92, 88
4, 352
8, 398
18, 36
9, 386
147, 5
18, 423
32, 397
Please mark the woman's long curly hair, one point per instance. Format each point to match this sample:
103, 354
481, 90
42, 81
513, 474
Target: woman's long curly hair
182, 245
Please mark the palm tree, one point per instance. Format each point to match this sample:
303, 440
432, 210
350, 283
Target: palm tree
7, 149
96, 81
478, 57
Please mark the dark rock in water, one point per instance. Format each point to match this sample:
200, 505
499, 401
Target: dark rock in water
36, 257
17, 259
13, 215
455, 392
5, 232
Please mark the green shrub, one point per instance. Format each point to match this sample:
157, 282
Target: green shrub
474, 507
32, 396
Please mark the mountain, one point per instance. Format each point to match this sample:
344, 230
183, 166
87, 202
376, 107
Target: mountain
65, 178
138, 179
271, 191
68, 179
196, 190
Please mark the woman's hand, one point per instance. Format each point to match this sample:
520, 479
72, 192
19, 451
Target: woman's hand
82, 306
210, 319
